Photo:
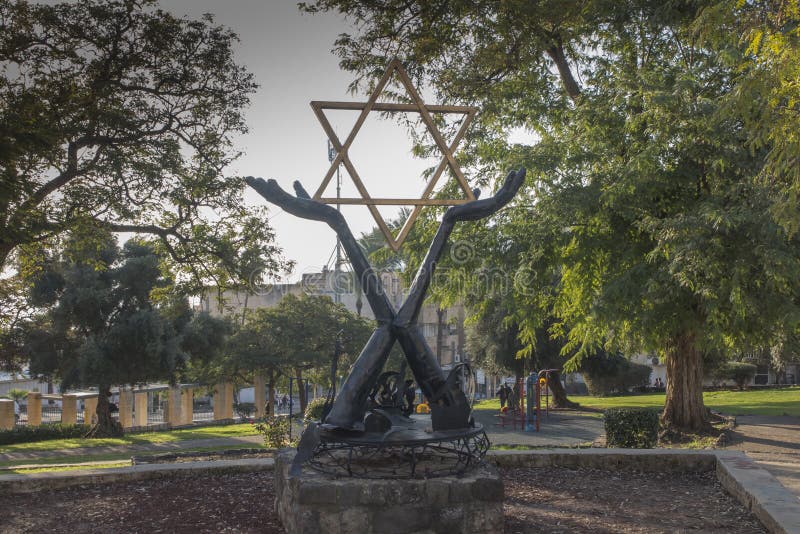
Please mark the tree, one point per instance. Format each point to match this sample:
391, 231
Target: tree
99, 326
117, 114
374, 244
258, 347
295, 337
645, 197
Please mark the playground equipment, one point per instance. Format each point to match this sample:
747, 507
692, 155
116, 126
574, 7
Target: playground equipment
525, 401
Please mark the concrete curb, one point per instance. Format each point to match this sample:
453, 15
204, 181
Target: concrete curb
647, 460
49, 481
775, 506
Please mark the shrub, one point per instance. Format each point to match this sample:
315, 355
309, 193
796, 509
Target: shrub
29, 434
741, 373
631, 427
613, 373
314, 409
275, 430
245, 410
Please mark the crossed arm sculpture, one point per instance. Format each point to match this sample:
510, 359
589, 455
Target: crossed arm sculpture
449, 406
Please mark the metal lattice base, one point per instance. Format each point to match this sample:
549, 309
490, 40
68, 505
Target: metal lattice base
429, 457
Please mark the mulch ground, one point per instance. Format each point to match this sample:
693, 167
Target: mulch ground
587, 500
537, 500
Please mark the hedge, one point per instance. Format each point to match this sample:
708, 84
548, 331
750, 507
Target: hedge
635, 428
613, 373
314, 409
29, 434
739, 372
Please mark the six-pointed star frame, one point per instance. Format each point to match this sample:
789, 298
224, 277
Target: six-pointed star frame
425, 111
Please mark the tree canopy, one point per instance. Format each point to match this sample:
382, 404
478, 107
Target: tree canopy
296, 336
118, 114
647, 201
98, 325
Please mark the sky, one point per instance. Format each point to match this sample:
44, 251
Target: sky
289, 53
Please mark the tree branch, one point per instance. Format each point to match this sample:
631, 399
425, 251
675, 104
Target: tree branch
556, 53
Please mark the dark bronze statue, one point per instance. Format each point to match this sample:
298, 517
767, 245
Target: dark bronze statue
450, 409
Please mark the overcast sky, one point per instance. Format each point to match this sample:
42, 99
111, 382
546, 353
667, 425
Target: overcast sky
289, 54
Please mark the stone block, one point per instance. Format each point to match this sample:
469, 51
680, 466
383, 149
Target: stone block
398, 519
187, 406
69, 409
90, 410
438, 492
314, 502
316, 492
34, 408
7, 419
126, 408
140, 408
487, 488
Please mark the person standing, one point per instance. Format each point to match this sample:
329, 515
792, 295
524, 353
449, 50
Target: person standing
502, 394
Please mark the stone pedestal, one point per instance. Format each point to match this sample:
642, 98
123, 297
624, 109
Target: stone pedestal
140, 408
187, 406
90, 410
69, 409
34, 408
223, 401
314, 502
126, 408
7, 418
174, 406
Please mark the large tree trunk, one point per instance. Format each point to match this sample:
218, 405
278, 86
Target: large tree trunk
684, 409
271, 392
298, 372
560, 399
106, 426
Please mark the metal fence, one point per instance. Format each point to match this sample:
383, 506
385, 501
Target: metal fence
202, 411
21, 419
51, 413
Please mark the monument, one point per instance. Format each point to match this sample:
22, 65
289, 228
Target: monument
366, 464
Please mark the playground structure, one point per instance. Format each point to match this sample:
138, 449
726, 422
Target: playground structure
525, 403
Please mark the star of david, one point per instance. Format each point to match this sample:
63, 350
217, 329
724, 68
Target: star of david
342, 157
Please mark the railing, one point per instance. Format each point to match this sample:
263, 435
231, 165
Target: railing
51, 413
202, 411
21, 419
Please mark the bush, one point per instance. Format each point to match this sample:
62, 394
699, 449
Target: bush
29, 434
632, 427
314, 409
741, 373
613, 373
245, 410
275, 430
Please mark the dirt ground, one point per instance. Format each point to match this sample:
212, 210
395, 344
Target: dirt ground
537, 500
591, 501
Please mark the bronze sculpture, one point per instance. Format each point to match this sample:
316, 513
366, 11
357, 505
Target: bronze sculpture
366, 418
449, 407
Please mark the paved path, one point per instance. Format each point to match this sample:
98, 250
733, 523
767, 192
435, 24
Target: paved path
774, 443
562, 428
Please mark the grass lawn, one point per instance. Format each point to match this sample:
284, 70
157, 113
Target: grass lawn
227, 431
117, 458
63, 468
752, 402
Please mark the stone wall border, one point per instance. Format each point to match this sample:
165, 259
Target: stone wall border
775, 506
